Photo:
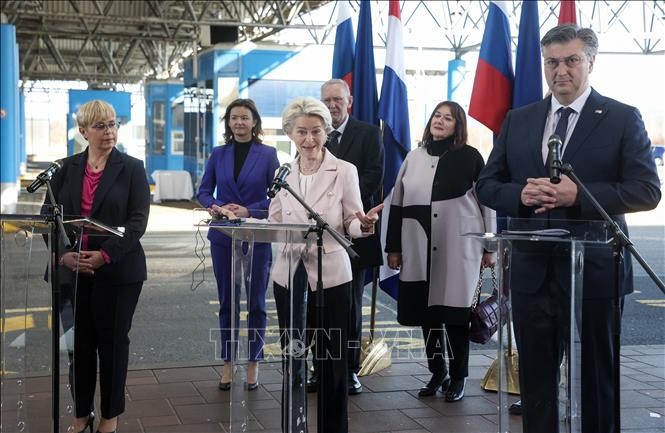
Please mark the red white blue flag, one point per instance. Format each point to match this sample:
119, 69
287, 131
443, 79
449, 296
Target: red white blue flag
492, 93
393, 105
394, 111
344, 52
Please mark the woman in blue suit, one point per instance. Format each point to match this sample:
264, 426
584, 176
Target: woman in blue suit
241, 173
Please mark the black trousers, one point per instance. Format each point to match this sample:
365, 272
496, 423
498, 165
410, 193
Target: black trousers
356, 319
458, 348
541, 329
103, 318
332, 365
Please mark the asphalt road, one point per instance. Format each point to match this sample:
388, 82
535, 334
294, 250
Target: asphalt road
176, 320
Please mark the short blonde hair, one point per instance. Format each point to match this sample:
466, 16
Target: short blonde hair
305, 106
94, 111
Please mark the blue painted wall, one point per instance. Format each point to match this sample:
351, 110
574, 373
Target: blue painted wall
9, 118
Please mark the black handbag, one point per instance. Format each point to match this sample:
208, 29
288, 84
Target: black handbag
485, 314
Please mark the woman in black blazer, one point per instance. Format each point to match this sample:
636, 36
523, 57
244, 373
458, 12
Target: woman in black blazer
111, 187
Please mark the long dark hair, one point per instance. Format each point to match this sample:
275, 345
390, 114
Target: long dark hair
460, 136
257, 131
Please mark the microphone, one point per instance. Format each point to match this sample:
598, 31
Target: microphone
45, 175
554, 158
283, 171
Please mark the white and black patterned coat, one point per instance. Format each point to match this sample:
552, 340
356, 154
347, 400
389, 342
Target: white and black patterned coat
433, 204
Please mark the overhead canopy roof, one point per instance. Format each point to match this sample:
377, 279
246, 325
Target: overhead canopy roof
129, 41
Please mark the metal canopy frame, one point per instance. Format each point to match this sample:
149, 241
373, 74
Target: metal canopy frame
129, 41
116, 41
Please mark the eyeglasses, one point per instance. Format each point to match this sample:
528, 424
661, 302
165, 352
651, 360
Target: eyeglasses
570, 61
101, 126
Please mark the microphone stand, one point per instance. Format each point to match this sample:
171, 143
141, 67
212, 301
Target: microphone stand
620, 241
321, 225
58, 233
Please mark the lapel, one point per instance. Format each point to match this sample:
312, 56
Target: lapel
325, 178
114, 167
538, 116
293, 179
228, 161
248, 166
347, 138
75, 181
594, 111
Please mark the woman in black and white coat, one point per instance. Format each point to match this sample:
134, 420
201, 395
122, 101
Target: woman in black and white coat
433, 204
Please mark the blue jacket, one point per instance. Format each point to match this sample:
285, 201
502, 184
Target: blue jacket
609, 151
219, 187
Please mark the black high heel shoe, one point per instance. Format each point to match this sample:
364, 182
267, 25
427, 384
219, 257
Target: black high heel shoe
252, 367
455, 390
88, 424
437, 380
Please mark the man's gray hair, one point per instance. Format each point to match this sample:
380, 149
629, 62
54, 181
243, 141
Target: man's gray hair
569, 32
337, 81
305, 106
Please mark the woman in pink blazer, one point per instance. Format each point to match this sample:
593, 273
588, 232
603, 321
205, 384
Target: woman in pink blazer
330, 186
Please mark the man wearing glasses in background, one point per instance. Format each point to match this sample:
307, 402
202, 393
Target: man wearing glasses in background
606, 143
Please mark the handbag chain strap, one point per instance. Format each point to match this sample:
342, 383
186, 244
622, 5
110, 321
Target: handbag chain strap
476, 296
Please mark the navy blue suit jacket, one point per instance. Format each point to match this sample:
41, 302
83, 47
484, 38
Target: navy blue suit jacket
122, 199
251, 189
609, 151
361, 145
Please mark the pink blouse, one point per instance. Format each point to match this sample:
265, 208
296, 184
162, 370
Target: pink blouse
90, 183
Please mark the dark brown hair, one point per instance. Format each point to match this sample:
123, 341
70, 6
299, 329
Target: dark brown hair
460, 136
257, 132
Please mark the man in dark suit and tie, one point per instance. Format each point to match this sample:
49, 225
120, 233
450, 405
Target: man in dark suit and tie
359, 143
607, 145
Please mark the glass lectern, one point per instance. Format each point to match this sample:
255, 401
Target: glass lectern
293, 346
533, 236
36, 323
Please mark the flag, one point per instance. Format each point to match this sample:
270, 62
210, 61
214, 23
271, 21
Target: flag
492, 93
365, 99
567, 13
394, 111
393, 105
528, 69
344, 52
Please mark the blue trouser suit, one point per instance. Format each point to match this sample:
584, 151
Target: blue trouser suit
256, 298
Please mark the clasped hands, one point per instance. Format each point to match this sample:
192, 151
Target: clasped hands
230, 210
545, 195
83, 262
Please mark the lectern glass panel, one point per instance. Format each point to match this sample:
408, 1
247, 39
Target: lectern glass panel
26, 330
287, 344
563, 243
29, 325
